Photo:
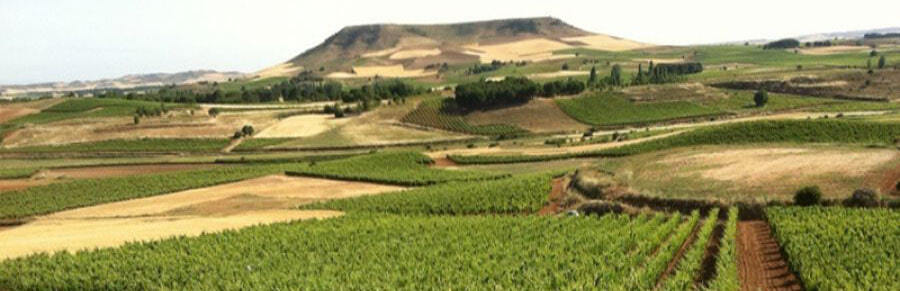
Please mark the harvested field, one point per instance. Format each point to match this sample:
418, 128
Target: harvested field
773, 165
837, 49
415, 53
606, 43
531, 50
673, 92
539, 115
558, 74
18, 184
10, 112
389, 71
234, 205
302, 126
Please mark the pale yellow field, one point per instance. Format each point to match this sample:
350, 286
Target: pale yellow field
780, 165
411, 54
607, 43
229, 206
838, 49
389, 71
558, 74
532, 50
302, 126
279, 70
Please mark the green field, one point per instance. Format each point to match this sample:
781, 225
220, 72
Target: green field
408, 252
516, 195
132, 145
400, 168
611, 109
835, 248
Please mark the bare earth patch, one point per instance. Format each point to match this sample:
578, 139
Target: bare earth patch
193, 212
389, 71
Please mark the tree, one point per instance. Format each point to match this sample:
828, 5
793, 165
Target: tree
565, 67
213, 112
873, 53
247, 130
761, 98
593, 78
137, 120
615, 75
882, 62
808, 196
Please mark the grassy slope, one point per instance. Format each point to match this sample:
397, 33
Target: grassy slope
434, 113
611, 109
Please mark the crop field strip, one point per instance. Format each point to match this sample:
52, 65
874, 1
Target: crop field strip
399, 168
754, 132
688, 268
151, 145
609, 109
516, 195
499, 251
726, 274
834, 248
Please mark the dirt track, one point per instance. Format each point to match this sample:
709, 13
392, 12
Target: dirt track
229, 206
760, 264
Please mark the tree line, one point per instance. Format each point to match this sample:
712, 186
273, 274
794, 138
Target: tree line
512, 90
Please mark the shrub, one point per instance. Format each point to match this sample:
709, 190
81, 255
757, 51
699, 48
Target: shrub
761, 98
807, 196
863, 197
247, 130
213, 112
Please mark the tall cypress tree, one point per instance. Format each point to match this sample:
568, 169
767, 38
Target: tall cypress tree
593, 78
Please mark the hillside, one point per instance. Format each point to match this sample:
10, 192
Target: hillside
418, 50
124, 82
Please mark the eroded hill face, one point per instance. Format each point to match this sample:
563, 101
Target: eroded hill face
391, 50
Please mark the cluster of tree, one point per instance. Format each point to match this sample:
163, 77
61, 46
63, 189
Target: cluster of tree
493, 66
665, 73
360, 107
142, 111
881, 35
782, 44
818, 43
439, 67
247, 130
562, 87
483, 94
303, 88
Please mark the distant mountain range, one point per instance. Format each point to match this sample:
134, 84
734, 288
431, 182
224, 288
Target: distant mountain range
125, 82
853, 34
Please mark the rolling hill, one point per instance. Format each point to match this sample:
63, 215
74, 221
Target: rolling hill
395, 50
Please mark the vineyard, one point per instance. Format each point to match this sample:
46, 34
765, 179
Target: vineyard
400, 168
689, 266
756, 132
79, 193
411, 252
131, 145
840, 248
516, 195
606, 109
727, 261
432, 113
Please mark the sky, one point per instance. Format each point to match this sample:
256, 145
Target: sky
50, 40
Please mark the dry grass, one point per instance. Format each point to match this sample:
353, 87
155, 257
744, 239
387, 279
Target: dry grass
229, 206
558, 74
279, 70
539, 115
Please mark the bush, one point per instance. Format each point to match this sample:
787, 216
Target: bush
862, 198
761, 98
808, 196
782, 44
213, 112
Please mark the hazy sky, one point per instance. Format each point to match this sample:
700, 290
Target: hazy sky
46, 40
